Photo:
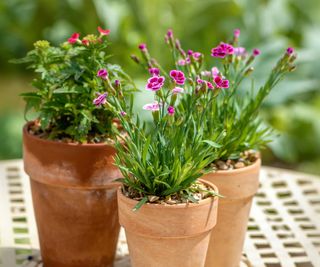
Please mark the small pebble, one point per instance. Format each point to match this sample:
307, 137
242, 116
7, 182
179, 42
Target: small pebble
152, 198
239, 165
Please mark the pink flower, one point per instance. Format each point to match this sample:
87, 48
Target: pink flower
256, 52
123, 113
200, 81
152, 106
101, 99
169, 33
181, 62
178, 76
210, 85
215, 72
103, 74
239, 51
154, 71
221, 83
177, 90
142, 47
102, 31
74, 38
85, 42
236, 33
206, 73
155, 83
171, 110
290, 51
190, 52
222, 50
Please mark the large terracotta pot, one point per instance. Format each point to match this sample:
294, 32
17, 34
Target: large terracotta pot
75, 201
168, 235
238, 188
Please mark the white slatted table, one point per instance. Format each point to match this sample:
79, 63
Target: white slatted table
284, 228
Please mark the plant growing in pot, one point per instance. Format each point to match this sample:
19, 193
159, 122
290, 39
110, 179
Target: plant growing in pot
166, 212
229, 118
68, 149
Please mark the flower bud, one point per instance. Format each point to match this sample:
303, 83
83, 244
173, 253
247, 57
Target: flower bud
248, 71
135, 59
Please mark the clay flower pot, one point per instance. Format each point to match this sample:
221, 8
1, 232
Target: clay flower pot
238, 186
74, 199
168, 235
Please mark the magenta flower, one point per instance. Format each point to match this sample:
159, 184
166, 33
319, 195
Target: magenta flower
239, 51
221, 83
178, 76
190, 52
171, 110
222, 50
116, 83
256, 52
74, 38
142, 47
102, 31
236, 33
155, 83
100, 100
103, 74
200, 81
169, 33
210, 85
177, 90
152, 106
196, 55
123, 113
154, 71
290, 51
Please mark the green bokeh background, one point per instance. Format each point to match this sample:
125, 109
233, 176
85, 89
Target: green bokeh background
293, 108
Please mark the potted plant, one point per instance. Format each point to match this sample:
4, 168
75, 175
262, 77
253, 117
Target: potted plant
230, 121
68, 149
166, 212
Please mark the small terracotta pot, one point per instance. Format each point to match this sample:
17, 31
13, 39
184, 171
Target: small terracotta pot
168, 235
75, 201
238, 188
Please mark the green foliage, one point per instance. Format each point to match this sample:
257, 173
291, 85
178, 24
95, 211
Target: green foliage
228, 113
167, 157
67, 82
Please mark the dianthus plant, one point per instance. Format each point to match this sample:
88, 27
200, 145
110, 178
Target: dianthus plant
68, 78
224, 114
163, 161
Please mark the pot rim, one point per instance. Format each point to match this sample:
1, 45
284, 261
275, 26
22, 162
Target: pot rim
148, 205
244, 169
26, 133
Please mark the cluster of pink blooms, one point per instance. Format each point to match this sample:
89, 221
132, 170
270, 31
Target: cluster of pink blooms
75, 37
222, 50
194, 55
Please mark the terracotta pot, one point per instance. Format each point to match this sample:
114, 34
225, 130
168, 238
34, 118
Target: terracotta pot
75, 201
168, 235
238, 186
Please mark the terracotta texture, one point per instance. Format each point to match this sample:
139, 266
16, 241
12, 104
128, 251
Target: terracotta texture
168, 235
238, 186
75, 201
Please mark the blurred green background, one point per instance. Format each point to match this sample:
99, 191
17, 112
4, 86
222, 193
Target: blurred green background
293, 108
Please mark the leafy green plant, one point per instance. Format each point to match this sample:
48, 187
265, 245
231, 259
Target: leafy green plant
228, 107
69, 76
164, 161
